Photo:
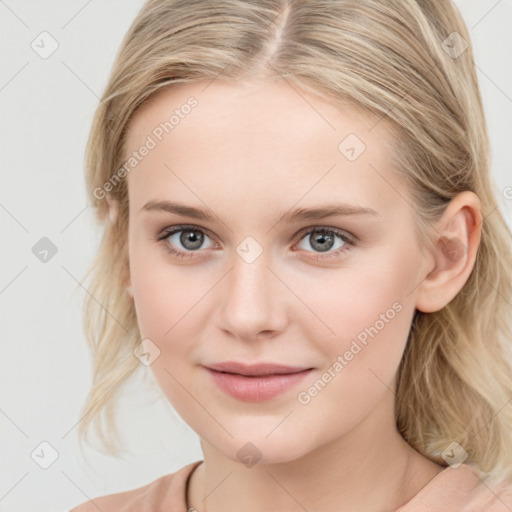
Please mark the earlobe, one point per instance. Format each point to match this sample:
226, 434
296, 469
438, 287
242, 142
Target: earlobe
113, 208
113, 212
458, 235
127, 282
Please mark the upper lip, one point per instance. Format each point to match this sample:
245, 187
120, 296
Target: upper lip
255, 369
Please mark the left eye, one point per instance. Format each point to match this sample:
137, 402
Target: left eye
323, 240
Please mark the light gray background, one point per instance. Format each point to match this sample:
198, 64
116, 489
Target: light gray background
46, 111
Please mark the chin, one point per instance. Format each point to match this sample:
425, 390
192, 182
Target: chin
259, 449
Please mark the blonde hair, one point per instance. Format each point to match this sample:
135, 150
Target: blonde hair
387, 58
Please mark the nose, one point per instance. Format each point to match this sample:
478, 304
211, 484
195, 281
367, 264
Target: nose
252, 300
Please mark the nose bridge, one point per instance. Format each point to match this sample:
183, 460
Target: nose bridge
249, 280
250, 301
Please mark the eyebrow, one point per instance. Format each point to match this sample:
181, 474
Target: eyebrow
320, 212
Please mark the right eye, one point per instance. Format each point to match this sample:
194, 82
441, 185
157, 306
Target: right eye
183, 241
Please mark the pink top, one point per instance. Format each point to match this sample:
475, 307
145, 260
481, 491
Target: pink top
449, 491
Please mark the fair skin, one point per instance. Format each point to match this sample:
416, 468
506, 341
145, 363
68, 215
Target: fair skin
248, 153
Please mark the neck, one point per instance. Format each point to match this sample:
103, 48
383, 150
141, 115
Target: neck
371, 469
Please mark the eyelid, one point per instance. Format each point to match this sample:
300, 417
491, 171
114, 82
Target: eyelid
182, 227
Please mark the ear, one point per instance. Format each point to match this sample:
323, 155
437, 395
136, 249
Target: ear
457, 236
113, 212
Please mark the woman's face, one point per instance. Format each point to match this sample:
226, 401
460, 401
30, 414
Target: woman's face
255, 278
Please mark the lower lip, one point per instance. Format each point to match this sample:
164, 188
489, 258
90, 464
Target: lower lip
256, 389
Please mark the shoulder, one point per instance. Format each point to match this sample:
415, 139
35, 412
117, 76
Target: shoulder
168, 490
491, 496
461, 489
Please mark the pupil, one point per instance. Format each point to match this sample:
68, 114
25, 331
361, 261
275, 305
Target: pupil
323, 242
191, 239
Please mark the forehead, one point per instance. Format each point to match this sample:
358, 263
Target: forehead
258, 139
261, 108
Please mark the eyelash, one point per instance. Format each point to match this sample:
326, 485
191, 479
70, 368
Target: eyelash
348, 241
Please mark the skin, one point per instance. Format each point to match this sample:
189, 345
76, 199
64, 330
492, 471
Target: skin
249, 152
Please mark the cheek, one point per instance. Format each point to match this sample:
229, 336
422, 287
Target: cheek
363, 321
354, 300
170, 313
365, 353
164, 305
360, 364
164, 294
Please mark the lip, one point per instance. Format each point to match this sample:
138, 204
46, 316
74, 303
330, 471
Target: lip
255, 382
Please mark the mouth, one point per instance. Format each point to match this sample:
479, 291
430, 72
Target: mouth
256, 383
256, 370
